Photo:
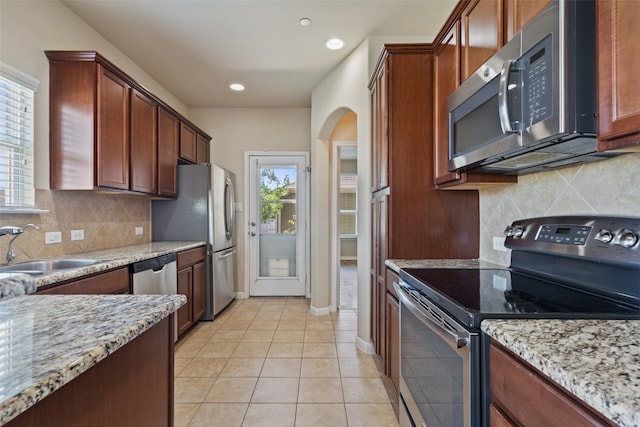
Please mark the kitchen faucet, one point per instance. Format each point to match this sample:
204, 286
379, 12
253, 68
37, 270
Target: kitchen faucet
15, 232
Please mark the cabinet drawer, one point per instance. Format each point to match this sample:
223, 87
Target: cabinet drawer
529, 399
111, 282
392, 277
190, 256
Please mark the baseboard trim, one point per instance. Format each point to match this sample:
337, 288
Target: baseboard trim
365, 346
241, 295
320, 311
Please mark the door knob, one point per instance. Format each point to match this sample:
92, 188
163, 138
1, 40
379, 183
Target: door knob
253, 233
253, 224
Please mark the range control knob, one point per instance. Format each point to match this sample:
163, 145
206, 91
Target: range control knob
604, 235
626, 239
508, 232
518, 230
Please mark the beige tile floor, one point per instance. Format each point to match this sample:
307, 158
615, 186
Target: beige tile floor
269, 362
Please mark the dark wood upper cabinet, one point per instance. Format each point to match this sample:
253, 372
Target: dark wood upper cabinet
202, 149
446, 80
187, 143
168, 141
481, 34
143, 141
379, 130
618, 80
519, 12
112, 139
108, 133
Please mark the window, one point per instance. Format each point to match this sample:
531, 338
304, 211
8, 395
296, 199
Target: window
16, 138
348, 200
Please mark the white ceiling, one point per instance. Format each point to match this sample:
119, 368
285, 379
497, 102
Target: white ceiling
196, 48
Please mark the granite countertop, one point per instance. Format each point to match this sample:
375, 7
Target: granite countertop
398, 264
12, 284
48, 340
596, 360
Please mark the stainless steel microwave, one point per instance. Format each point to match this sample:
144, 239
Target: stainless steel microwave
532, 105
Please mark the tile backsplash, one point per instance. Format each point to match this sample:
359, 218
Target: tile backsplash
608, 187
108, 221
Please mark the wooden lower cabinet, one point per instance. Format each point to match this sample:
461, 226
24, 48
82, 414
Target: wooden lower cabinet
393, 340
522, 396
191, 283
111, 282
131, 387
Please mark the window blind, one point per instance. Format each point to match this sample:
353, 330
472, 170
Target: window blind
16, 138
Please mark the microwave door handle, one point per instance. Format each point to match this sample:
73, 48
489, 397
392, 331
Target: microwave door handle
503, 98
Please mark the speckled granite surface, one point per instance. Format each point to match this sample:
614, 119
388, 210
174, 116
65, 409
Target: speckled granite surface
397, 264
21, 284
596, 360
48, 340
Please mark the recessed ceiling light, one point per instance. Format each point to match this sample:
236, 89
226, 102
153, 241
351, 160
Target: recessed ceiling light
334, 44
237, 87
305, 22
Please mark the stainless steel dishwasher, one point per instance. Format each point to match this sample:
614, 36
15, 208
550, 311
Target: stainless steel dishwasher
156, 276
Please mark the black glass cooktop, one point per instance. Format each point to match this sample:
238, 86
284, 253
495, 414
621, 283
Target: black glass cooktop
471, 295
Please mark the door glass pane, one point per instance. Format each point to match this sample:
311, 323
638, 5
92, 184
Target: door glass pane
277, 221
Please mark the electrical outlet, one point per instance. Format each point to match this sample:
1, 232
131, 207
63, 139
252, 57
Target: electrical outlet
139, 231
77, 235
52, 237
498, 244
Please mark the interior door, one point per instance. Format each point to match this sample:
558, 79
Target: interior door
277, 225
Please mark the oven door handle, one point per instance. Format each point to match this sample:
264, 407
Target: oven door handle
457, 340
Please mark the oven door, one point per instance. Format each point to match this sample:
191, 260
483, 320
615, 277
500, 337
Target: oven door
439, 365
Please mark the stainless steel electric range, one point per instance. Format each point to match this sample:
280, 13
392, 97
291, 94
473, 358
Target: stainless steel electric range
561, 267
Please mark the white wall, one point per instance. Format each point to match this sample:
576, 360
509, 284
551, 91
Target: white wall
345, 88
27, 29
235, 131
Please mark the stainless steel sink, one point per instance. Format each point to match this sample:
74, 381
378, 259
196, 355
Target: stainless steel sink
48, 265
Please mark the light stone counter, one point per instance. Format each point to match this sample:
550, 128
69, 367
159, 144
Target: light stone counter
398, 264
48, 340
596, 360
12, 284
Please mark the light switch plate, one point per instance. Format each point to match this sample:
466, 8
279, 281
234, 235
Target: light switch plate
139, 231
77, 235
52, 237
498, 244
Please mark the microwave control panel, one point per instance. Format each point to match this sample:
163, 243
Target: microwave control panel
537, 67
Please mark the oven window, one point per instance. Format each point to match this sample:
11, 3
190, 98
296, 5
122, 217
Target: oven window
433, 373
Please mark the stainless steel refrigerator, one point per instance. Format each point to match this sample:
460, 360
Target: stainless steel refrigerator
204, 210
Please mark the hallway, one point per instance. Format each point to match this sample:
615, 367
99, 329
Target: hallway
268, 362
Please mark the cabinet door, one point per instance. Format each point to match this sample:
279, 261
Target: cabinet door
187, 143
168, 139
378, 279
198, 291
447, 79
143, 143
185, 313
618, 79
379, 130
202, 149
481, 34
112, 138
520, 12
111, 282
393, 340
530, 398
373, 277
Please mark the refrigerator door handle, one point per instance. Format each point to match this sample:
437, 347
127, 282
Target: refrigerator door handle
228, 254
